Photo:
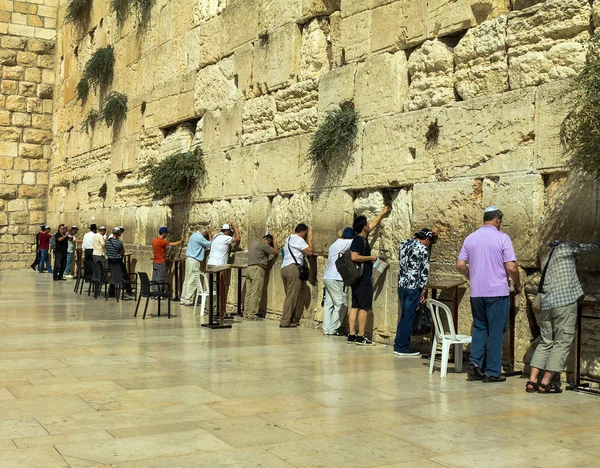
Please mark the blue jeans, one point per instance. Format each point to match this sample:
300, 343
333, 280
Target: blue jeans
69, 261
409, 302
490, 320
44, 260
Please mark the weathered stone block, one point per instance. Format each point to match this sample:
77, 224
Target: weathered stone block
26, 58
399, 25
521, 214
213, 90
231, 125
28, 177
481, 60
8, 57
332, 212
211, 132
352, 7
381, 84
20, 119
4, 118
276, 63
27, 89
9, 87
14, 42
356, 36
41, 46
243, 62
454, 208
431, 68
258, 118
12, 73
179, 141
314, 52
40, 137
336, 87
7, 193
21, 165
8, 149
547, 42
239, 24
473, 133
393, 150
45, 91
7, 162
10, 134
445, 17
297, 108
210, 42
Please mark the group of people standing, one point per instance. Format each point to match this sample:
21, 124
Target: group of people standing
62, 245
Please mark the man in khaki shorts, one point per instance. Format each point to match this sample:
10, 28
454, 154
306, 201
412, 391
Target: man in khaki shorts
258, 259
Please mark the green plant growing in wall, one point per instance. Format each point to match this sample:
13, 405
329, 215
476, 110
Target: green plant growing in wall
90, 122
580, 130
98, 72
174, 176
335, 136
121, 9
103, 191
141, 8
78, 12
114, 110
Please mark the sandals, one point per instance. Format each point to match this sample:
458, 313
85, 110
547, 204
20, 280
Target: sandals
548, 389
531, 387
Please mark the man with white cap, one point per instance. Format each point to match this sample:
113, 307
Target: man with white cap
221, 242
98, 243
487, 260
73, 241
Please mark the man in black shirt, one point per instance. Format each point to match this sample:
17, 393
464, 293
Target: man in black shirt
60, 253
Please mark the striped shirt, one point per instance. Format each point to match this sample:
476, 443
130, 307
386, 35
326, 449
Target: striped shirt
561, 285
114, 248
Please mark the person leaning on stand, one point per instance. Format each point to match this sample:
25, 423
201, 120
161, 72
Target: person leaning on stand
221, 243
60, 252
362, 290
297, 245
159, 248
487, 259
194, 255
335, 304
413, 275
560, 298
99, 249
258, 259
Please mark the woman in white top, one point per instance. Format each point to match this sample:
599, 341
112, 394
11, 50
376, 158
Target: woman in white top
295, 248
336, 294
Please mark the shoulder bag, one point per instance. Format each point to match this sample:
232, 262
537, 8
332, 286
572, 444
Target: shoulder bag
303, 270
537, 301
351, 272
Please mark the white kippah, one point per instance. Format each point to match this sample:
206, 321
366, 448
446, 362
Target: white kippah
491, 208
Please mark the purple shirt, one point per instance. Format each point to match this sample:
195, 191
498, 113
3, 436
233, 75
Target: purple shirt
486, 251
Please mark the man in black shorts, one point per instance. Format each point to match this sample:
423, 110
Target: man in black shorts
362, 290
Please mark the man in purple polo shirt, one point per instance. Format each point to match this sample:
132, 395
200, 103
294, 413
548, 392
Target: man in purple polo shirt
491, 261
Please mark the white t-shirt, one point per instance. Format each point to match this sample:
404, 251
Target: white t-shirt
88, 240
297, 244
98, 243
339, 247
219, 250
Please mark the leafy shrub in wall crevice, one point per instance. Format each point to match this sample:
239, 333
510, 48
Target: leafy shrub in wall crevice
90, 122
114, 110
141, 8
98, 73
78, 12
174, 176
335, 136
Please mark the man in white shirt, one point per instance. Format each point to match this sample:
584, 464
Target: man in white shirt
336, 294
221, 242
98, 242
88, 247
296, 247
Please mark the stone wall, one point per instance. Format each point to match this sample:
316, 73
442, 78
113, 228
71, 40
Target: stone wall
27, 51
248, 82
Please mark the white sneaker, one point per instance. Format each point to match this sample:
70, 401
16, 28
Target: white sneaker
407, 353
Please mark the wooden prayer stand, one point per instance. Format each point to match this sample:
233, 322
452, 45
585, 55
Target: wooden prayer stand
177, 269
239, 268
221, 272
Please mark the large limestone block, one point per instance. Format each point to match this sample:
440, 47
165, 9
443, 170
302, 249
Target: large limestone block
481, 60
258, 217
258, 118
332, 212
521, 199
431, 69
239, 24
381, 84
231, 125
297, 108
336, 87
287, 212
276, 60
356, 36
211, 136
473, 133
399, 25
274, 14
393, 150
179, 141
314, 52
243, 61
547, 42
207, 9
552, 104
269, 176
454, 208
446, 17
210, 41
214, 90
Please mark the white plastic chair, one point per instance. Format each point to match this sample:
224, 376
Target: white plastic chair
202, 290
446, 338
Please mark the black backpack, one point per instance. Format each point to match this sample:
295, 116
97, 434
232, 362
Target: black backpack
351, 272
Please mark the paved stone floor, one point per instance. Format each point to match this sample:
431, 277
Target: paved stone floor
83, 383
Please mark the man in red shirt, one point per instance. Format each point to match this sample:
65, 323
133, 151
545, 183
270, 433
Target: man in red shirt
159, 247
44, 239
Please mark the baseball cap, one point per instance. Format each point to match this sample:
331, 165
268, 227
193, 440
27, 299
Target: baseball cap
163, 230
425, 234
225, 227
348, 233
489, 209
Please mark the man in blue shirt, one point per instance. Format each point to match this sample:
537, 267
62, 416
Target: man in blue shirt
195, 253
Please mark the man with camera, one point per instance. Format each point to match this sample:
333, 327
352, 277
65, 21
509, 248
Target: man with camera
60, 252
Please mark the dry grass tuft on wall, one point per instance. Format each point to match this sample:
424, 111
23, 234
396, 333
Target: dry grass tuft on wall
335, 136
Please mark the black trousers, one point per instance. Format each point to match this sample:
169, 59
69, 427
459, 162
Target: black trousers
88, 256
36, 262
60, 263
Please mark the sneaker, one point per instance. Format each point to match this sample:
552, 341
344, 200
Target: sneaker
68, 276
351, 339
493, 378
364, 341
407, 353
474, 372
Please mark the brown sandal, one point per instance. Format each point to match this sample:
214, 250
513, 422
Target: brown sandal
548, 389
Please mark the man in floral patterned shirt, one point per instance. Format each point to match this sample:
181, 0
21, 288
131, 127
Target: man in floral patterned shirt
413, 274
